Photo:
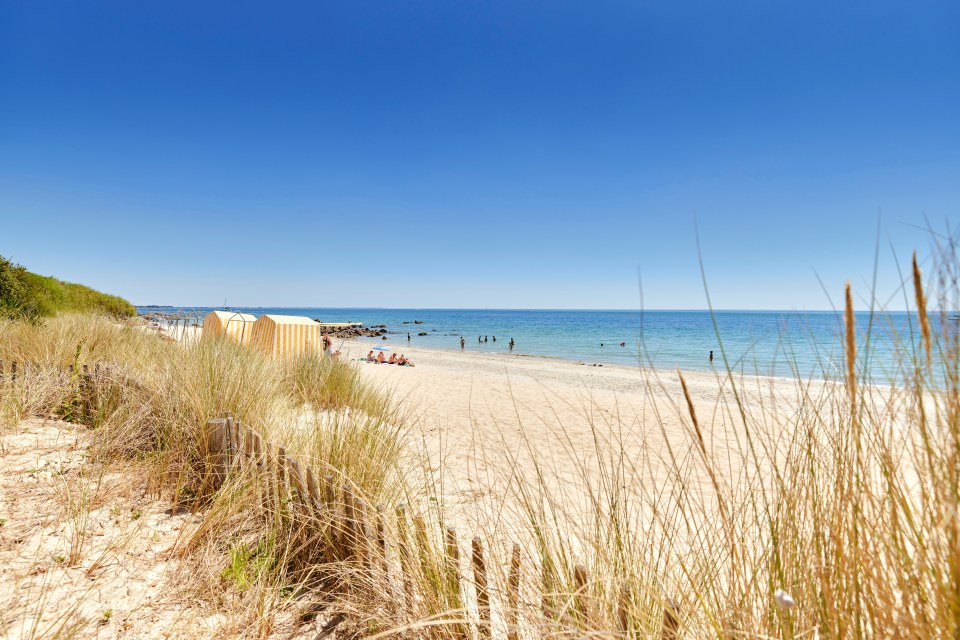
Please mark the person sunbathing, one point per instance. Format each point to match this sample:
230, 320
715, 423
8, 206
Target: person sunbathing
380, 358
403, 361
393, 359
370, 357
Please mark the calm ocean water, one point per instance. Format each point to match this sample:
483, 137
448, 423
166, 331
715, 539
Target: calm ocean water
779, 343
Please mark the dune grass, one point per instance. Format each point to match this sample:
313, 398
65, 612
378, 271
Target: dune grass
837, 517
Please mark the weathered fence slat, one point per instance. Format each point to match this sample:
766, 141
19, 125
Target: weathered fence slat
623, 611
455, 595
480, 585
283, 489
216, 458
513, 595
581, 602
422, 539
381, 533
313, 489
671, 621
349, 522
406, 560
362, 540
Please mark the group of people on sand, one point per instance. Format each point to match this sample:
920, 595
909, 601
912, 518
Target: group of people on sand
393, 359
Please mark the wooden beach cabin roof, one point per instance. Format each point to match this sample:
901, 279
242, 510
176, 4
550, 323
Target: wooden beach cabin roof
233, 325
286, 335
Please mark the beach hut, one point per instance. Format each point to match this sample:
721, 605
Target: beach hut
235, 326
286, 335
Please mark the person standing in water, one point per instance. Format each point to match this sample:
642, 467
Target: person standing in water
408, 337
462, 343
711, 357
511, 344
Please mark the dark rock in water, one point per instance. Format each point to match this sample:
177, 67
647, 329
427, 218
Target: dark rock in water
384, 338
418, 322
422, 333
357, 332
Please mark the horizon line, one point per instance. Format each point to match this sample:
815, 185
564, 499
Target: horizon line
658, 309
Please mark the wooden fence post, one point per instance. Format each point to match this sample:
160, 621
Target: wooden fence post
456, 602
547, 604
228, 449
480, 585
258, 457
283, 490
298, 493
349, 522
336, 526
671, 621
313, 489
581, 599
381, 532
270, 478
216, 467
247, 438
623, 611
236, 446
406, 561
513, 595
362, 539
422, 540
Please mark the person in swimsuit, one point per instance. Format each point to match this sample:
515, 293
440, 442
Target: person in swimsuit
327, 343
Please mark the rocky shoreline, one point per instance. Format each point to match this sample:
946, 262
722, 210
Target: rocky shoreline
373, 331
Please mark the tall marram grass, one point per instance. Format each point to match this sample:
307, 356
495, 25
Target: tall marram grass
832, 515
153, 408
835, 516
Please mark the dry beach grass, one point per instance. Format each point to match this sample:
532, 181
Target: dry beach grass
611, 502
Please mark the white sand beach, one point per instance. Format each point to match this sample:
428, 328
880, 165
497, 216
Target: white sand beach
486, 418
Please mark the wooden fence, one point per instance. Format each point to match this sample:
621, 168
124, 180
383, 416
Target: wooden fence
357, 533
347, 530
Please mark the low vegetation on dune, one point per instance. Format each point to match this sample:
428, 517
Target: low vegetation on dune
838, 518
24, 294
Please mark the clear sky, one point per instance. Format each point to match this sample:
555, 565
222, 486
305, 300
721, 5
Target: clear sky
476, 154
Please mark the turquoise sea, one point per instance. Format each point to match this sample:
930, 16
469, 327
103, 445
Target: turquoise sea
779, 343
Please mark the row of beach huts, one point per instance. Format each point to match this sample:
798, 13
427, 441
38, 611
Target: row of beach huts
280, 336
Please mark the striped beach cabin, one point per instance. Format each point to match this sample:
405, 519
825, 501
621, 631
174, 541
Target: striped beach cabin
285, 336
235, 326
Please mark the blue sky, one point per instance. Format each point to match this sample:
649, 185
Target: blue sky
476, 154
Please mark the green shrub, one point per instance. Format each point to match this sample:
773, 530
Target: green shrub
27, 295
